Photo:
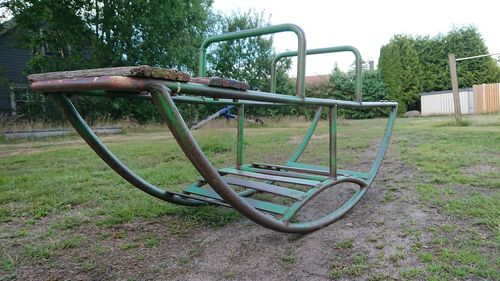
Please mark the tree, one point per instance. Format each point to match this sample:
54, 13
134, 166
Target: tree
69, 34
410, 65
467, 41
399, 64
390, 68
248, 59
342, 86
76, 34
434, 61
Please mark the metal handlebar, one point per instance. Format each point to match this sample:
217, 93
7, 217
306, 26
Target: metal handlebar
301, 53
358, 81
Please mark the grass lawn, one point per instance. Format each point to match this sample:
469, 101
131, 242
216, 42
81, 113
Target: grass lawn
59, 203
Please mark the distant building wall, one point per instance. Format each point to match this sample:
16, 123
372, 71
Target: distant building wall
12, 63
441, 103
479, 99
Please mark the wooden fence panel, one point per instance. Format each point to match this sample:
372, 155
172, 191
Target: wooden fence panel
478, 98
486, 98
492, 97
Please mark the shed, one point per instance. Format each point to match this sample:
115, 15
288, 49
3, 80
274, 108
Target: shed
441, 103
479, 99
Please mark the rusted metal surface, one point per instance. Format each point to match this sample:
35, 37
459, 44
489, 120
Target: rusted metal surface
130, 85
221, 83
108, 83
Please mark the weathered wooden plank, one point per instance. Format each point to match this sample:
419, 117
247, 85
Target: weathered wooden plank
221, 83
143, 71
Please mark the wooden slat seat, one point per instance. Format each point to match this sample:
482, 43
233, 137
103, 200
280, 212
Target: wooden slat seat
142, 71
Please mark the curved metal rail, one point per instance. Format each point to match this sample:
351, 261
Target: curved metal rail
161, 95
358, 61
301, 49
358, 92
165, 94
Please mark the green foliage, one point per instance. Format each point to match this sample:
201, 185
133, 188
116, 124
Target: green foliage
249, 59
466, 42
411, 66
76, 34
72, 34
399, 62
341, 86
433, 59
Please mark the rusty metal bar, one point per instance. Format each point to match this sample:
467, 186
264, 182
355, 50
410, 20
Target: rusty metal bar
311, 169
129, 84
284, 173
257, 204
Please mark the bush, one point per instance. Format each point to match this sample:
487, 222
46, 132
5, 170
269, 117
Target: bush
341, 87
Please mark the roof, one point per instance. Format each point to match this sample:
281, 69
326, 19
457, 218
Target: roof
446, 92
6, 26
314, 79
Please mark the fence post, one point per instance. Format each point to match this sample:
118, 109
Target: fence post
454, 86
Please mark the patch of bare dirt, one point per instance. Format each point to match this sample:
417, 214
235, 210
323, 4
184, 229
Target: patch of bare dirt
376, 229
298, 138
481, 169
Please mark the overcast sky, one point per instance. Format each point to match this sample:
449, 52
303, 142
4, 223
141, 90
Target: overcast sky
368, 25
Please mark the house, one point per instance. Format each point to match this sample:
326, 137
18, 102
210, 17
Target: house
13, 60
313, 80
317, 79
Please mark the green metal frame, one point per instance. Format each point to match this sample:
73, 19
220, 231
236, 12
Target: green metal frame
301, 49
216, 185
358, 83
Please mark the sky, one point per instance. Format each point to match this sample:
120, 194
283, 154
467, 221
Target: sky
368, 25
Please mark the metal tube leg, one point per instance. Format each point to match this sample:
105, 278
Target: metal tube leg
93, 141
332, 120
239, 147
296, 155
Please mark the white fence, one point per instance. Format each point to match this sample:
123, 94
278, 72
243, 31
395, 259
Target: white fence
479, 99
441, 103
